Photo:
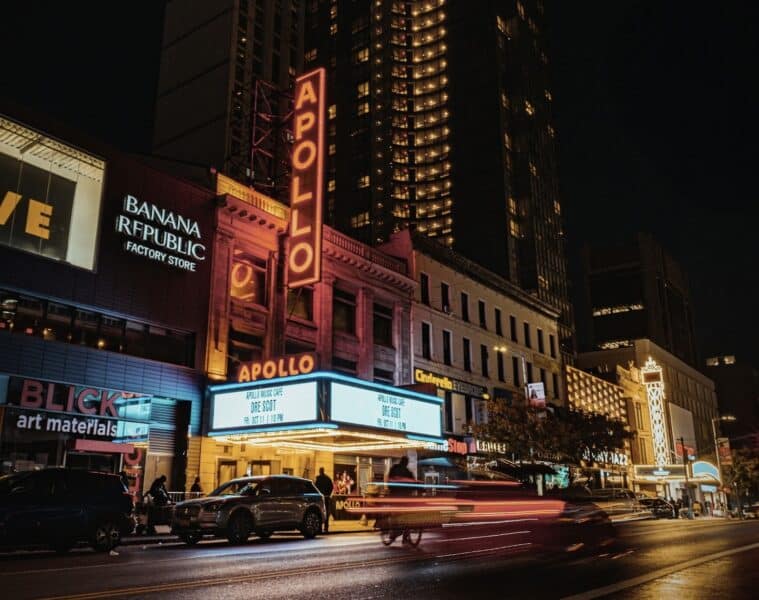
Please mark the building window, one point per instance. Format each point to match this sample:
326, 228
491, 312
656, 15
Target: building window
529, 373
427, 341
362, 182
331, 185
248, 278
311, 55
363, 109
484, 360
332, 111
383, 325
498, 325
467, 354
300, 303
543, 378
362, 89
541, 345
445, 297
447, 358
552, 345
527, 340
343, 311
499, 363
515, 369
483, 319
555, 383
513, 327
464, 306
424, 288
383, 376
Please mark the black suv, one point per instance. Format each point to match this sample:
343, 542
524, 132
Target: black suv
246, 505
58, 507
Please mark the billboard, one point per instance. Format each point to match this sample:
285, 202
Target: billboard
50, 196
681, 421
304, 255
725, 456
536, 394
396, 412
264, 406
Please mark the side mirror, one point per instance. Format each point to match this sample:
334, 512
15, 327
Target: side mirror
19, 489
265, 492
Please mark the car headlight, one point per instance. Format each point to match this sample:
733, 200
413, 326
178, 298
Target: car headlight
213, 507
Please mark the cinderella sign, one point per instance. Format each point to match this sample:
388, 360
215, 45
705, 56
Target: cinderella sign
161, 235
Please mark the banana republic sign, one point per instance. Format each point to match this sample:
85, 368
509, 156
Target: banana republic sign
304, 257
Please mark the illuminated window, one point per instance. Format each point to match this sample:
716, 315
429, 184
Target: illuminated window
333, 29
363, 108
332, 111
548, 95
512, 206
556, 207
332, 149
248, 279
360, 220
361, 55
362, 89
311, 55
533, 169
529, 108
331, 185
514, 228
363, 182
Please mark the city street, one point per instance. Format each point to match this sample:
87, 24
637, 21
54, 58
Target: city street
654, 559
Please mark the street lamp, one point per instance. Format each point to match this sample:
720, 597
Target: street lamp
716, 447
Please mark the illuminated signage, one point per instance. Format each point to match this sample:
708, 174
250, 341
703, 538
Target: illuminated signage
61, 408
304, 258
652, 378
264, 406
379, 409
299, 364
159, 234
705, 470
606, 457
454, 446
725, 456
448, 383
656, 472
50, 196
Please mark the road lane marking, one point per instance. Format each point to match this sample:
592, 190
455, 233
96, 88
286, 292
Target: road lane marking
200, 552
200, 583
641, 579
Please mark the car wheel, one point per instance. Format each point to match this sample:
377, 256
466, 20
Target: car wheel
238, 530
190, 538
105, 537
312, 525
264, 535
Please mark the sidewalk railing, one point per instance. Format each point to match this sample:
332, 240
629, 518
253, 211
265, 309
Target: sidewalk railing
180, 496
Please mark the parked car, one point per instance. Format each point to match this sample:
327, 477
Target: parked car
660, 508
247, 505
59, 507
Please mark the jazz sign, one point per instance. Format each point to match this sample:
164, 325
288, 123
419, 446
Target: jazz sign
304, 259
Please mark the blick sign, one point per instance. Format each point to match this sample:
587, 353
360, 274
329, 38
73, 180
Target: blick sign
304, 259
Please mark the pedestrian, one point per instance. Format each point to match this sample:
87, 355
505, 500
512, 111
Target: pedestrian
400, 470
324, 485
196, 489
124, 480
677, 504
158, 491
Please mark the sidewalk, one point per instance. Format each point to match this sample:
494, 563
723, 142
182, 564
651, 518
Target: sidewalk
164, 536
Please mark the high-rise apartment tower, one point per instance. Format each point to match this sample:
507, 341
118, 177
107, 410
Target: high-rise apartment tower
440, 120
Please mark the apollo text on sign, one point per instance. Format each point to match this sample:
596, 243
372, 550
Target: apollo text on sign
304, 257
299, 364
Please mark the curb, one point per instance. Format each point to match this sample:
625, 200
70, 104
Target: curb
173, 539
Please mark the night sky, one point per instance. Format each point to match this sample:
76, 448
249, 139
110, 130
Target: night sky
654, 105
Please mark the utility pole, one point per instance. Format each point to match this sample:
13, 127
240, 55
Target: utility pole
687, 485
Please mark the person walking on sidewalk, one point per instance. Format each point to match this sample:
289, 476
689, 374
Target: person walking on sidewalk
325, 486
196, 489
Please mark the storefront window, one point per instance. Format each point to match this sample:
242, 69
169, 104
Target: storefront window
53, 321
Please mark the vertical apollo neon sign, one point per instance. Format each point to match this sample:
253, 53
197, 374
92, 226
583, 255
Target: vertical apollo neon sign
304, 258
654, 382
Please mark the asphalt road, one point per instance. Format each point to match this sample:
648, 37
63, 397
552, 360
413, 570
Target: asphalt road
654, 559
